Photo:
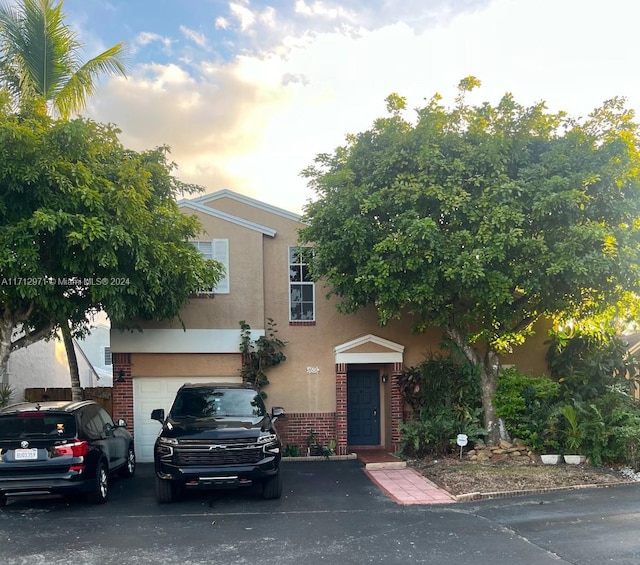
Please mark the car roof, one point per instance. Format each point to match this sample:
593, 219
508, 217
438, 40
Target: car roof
46, 406
240, 386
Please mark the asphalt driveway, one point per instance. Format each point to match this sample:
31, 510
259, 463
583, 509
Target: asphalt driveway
330, 512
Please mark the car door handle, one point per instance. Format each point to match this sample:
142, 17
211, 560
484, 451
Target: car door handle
375, 412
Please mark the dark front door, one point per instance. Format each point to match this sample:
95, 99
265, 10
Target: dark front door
363, 407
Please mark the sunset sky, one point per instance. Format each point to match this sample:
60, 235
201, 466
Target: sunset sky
246, 93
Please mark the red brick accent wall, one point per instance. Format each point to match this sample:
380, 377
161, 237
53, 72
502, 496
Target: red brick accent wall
123, 392
397, 406
294, 428
341, 408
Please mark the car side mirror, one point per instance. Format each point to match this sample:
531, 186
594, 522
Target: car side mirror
158, 414
277, 412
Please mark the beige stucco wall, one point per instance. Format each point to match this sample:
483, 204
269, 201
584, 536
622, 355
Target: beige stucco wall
530, 357
245, 300
185, 364
259, 283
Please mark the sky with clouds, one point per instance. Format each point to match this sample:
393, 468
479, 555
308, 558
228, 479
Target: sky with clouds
247, 92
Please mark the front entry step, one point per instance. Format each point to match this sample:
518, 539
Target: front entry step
378, 459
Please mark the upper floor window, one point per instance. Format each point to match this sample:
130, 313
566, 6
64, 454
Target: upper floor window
301, 287
217, 249
107, 356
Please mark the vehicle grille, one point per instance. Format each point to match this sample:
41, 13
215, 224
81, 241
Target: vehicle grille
205, 443
205, 456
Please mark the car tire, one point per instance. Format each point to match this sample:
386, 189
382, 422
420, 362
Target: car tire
130, 464
3, 501
165, 491
272, 487
100, 488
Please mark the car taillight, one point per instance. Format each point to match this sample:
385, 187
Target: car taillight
75, 449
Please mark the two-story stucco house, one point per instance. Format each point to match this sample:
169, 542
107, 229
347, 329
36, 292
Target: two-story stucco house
339, 380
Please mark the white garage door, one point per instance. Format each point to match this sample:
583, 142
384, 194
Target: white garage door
150, 393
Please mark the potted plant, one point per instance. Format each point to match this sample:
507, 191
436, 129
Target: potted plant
572, 435
551, 451
548, 444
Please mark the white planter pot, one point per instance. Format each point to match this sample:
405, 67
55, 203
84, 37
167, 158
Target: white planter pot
574, 459
550, 459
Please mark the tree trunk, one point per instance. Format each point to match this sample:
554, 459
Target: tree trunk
489, 382
72, 360
6, 330
489, 367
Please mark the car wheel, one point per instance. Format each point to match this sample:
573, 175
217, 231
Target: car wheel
272, 487
130, 464
165, 491
100, 489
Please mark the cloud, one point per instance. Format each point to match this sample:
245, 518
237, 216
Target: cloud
192, 35
243, 15
222, 23
318, 8
146, 38
252, 123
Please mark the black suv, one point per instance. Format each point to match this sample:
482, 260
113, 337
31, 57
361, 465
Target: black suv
216, 436
61, 447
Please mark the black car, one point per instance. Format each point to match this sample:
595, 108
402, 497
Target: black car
61, 447
217, 436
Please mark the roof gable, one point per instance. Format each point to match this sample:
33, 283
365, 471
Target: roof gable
197, 206
225, 193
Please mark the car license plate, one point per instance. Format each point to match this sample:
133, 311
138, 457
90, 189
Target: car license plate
26, 454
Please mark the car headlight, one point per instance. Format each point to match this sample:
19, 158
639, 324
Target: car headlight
168, 440
164, 447
267, 438
270, 443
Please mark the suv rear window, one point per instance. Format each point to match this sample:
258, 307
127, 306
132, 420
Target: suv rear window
37, 425
207, 403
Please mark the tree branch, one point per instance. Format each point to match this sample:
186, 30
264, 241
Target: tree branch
33, 336
469, 351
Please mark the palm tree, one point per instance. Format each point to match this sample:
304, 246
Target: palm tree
39, 56
39, 59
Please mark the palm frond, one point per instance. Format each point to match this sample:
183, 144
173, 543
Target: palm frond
72, 97
40, 56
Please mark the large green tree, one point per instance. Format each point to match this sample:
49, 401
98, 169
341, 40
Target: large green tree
481, 220
40, 56
40, 60
87, 225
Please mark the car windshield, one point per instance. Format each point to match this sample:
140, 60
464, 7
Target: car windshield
37, 425
207, 403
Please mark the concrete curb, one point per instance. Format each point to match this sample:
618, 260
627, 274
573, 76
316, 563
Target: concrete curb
472, 496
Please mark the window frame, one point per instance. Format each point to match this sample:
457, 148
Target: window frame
107, 356
303, 273
218, 251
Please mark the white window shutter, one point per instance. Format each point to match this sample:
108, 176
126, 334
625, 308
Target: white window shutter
205, 248
220, 252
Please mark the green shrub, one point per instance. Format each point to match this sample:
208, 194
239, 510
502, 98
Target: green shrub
611, 429
445, 398
526, 405
292, 451
261, 355
428, 435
